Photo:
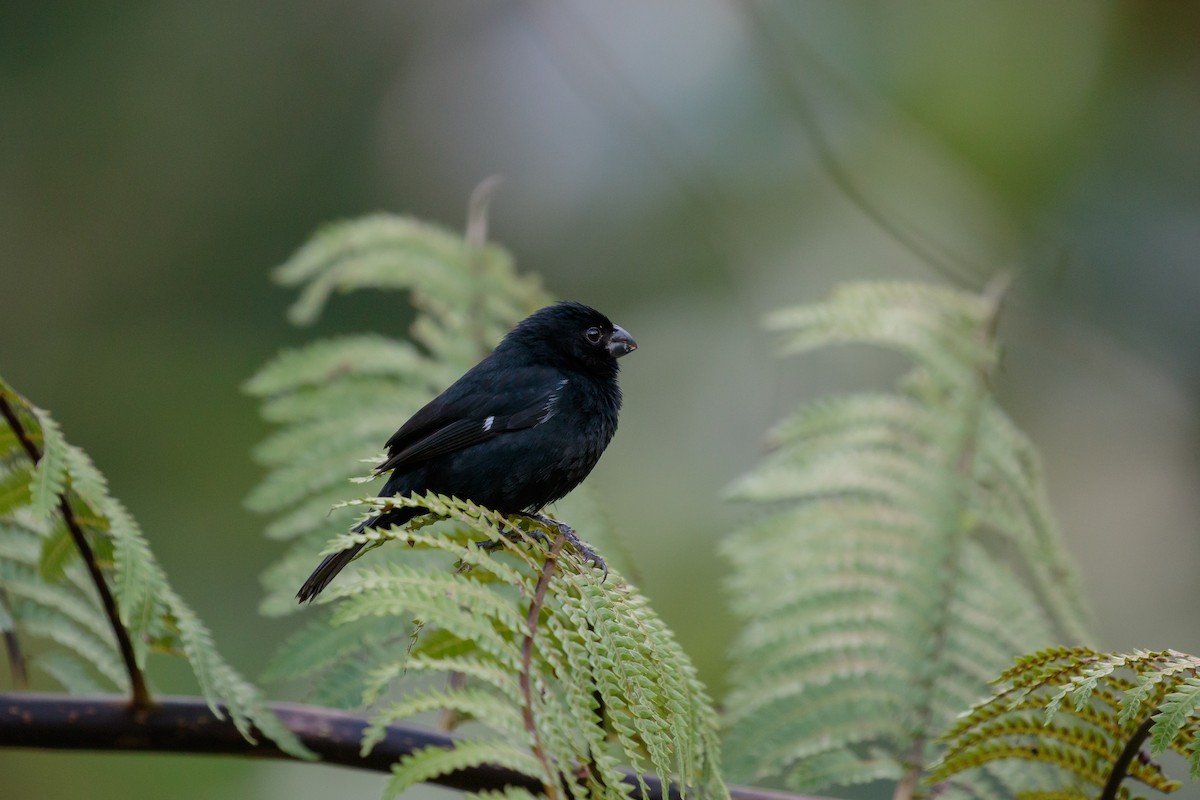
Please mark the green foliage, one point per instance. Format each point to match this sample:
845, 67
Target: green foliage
547, 666
902, 552
591, 679
1077, 711
47, 594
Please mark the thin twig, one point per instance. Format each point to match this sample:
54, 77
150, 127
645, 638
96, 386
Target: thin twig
964, 465
186, 725
549, 567
139, 693
779, 71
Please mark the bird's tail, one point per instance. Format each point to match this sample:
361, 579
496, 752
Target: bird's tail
323, 574
328, 569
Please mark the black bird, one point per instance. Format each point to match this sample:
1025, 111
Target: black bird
518, 431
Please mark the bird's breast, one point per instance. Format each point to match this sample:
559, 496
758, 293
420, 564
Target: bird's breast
565, 445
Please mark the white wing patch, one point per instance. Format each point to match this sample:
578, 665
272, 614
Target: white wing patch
548, 410
487, 423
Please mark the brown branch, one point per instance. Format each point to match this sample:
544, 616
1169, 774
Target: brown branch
139, 693
186, 725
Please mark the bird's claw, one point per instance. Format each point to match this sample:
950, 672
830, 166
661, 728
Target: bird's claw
538, 536
513, 533
583, 548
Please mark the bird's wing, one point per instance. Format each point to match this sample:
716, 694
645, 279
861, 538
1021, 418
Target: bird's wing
474, 411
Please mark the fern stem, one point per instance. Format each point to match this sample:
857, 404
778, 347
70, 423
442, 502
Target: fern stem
139, 692
953, 505
531, 622
186, 725
915, 760
1121, 766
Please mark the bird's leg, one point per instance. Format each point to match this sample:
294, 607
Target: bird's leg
567, 532
512, 532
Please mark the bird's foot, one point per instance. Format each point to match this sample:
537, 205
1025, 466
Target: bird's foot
512, 532
567, 532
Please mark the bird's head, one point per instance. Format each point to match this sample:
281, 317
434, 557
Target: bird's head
574, 336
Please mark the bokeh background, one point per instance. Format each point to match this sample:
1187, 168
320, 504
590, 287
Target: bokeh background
684, 166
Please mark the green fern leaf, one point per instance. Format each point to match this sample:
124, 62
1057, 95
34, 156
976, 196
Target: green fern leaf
57, 552
96, 649
14, 489
62, 611
50, 473
1177, 710
508, 793
53, 601
72, 673
1027, 723
361, 357
596, 645
433, 762
314, 648
501, 715
878, 554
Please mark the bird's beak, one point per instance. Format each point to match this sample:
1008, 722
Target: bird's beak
620, 342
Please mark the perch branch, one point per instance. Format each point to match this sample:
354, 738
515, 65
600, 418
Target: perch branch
186, 725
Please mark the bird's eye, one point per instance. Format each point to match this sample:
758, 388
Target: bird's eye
593, 335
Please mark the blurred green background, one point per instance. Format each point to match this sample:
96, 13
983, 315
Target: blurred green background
685, 167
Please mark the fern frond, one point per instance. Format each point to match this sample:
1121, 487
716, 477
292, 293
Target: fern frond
508, 793
499, 713
432, 762
15, 480
597, 680
1085, 714
94, 648
50, 597
363, 356
908, 553
70, 672
50, 472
